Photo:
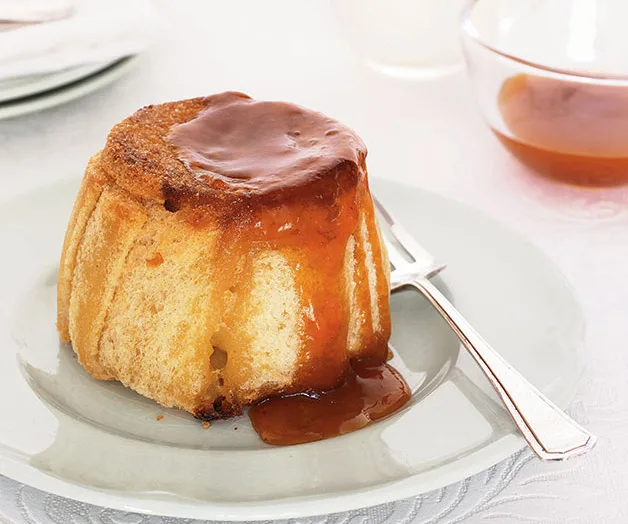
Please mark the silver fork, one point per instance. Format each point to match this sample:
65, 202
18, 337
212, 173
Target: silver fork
551, 434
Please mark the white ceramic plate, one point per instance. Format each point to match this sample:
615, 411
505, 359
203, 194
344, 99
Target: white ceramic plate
98, 442
70, 90
23, 86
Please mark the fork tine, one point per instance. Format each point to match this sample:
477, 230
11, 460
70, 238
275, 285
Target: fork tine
401, 243
401, 236
393, 243
411, 246
396, 258
383, 211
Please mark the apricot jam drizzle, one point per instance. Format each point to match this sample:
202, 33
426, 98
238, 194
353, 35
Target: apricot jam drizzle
294, 181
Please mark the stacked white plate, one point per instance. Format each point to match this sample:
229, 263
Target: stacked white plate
22, 95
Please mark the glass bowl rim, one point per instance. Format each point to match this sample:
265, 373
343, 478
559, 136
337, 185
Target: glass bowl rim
468, 29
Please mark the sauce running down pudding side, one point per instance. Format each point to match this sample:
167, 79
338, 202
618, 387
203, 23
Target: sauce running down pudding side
301, 179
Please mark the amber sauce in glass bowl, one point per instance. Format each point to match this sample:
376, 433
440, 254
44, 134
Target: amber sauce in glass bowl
571, 131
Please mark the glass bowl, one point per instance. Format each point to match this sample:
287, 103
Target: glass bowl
551, 77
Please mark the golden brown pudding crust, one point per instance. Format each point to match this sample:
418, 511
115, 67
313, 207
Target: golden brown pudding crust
210, 265
270, 153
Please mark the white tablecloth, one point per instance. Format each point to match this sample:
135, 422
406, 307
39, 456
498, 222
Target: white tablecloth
429, 134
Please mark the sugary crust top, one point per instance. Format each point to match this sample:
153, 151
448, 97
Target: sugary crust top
229, 153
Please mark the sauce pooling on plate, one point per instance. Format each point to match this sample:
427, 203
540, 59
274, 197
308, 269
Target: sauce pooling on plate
370, 392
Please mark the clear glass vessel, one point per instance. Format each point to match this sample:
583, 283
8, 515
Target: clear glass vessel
412, 39
551, 77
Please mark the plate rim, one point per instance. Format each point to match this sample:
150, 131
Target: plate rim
475, 462
67, 92
51, 80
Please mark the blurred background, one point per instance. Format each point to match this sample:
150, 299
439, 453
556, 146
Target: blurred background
394, 71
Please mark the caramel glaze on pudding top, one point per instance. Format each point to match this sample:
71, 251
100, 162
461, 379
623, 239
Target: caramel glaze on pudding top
190, 218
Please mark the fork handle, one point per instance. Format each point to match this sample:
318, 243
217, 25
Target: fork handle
551, 434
